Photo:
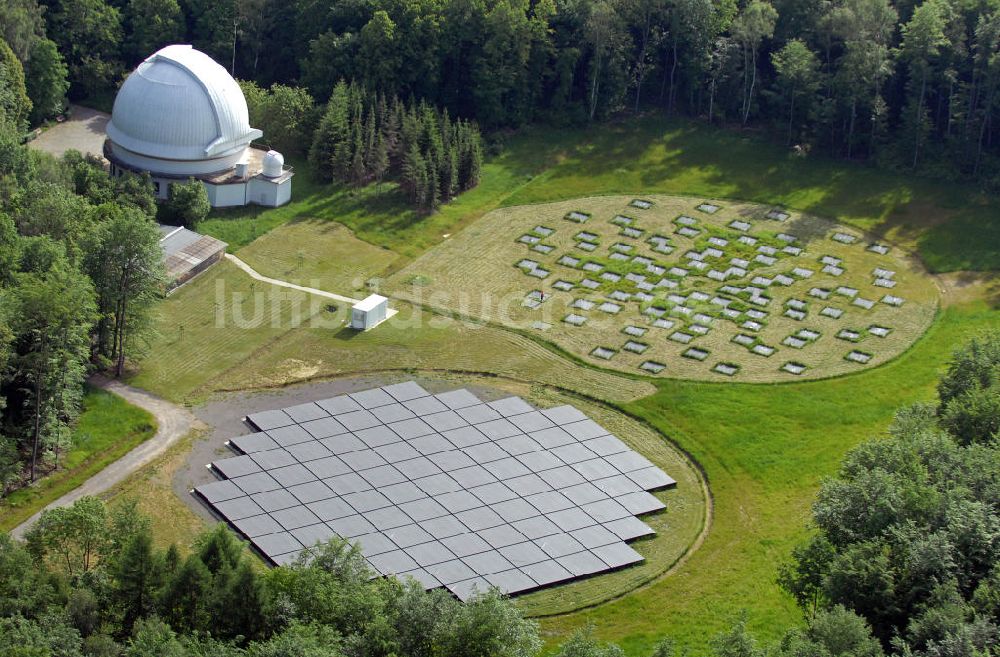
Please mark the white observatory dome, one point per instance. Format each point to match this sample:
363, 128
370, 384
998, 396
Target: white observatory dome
180, 113
274, 164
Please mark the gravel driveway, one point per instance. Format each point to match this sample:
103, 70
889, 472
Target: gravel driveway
172, 421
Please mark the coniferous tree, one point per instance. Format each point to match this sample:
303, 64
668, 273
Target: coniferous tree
433, 199
414, 172
365, 136
358, 172
219, 549
14, 102
240, 606
137, 578
184, 600
380, 161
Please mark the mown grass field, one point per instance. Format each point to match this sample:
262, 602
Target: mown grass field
334, 259
254, 336
444, 276
107, 429
764, 448
952, 226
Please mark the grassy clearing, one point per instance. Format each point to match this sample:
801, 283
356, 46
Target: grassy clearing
445, 274
257, 335
108, 428
949, 224
765, 450
415, 340
382, 217
764, 447
217, 321
320, 254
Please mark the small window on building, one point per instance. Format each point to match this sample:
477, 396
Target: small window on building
156, 188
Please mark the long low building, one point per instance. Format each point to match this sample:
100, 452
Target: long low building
187, 253
180, 115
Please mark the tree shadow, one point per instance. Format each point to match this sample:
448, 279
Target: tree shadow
681, 156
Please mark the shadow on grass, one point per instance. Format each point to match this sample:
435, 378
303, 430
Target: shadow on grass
346, 334
951, 225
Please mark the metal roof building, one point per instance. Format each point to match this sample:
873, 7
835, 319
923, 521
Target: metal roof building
187, 253
179, 115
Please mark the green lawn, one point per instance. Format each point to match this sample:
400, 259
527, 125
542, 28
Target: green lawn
764, 448
954, 227
320, 254
381, 217
653, 155
107, 429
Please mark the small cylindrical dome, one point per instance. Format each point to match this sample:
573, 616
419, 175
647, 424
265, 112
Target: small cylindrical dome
274, 164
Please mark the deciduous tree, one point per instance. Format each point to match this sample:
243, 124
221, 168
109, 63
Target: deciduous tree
124, 260
754, 24
47, 81
798, 75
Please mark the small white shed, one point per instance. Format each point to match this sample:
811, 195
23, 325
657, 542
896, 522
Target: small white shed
369, 312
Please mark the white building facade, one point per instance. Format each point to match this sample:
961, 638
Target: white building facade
181, 115
369, 312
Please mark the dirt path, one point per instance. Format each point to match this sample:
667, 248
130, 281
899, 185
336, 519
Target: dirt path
172, 421
274, 281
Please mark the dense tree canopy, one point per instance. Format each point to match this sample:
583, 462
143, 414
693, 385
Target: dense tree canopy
90, 577
913, 85
80, 269
187, 204
908, 534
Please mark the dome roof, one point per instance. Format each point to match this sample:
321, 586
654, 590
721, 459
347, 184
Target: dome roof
179, 104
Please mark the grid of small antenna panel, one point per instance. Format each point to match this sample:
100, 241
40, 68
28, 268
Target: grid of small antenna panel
445, 488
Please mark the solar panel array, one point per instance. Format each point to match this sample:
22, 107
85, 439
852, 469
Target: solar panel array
443, 488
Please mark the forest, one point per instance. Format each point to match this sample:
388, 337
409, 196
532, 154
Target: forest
80, 272
902, 560
905, 85
362, 137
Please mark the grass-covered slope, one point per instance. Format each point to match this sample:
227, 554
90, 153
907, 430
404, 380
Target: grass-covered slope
764, 448
107, 429
952, 226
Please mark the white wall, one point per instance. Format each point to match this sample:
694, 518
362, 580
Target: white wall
176, 167
364, 320
258, 190
266, 192
226, 196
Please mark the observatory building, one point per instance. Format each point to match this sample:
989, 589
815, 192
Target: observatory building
181, 115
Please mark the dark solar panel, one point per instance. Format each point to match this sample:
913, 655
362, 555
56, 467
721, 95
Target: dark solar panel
446, 489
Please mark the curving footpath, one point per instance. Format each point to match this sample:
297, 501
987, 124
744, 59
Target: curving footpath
274, 281
254, 274
173, 422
